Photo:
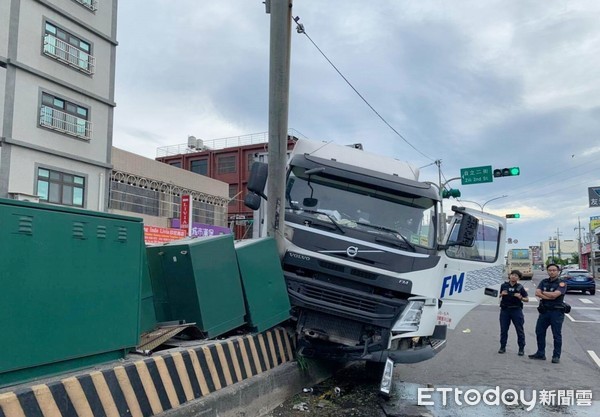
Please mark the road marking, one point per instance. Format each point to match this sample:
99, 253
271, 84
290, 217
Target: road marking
595, 357
586, 301
570, 318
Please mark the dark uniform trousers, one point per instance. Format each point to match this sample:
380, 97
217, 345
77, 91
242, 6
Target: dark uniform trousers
553, 318
552, 314
514, 315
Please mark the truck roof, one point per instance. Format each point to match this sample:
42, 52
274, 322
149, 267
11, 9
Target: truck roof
354, 156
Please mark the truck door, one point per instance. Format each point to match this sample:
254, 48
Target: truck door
473, 274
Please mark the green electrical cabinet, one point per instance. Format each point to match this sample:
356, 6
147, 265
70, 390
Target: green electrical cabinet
147, 312
265, 291
70, 284
197, 280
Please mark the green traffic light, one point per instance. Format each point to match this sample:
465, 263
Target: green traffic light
507, 172
513, 216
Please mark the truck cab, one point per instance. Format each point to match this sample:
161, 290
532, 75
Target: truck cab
366, 274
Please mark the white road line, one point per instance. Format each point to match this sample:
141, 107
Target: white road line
569, 317
595, 357
586, 301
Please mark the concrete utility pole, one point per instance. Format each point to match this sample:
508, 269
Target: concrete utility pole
279, 90
579, 228
558, 243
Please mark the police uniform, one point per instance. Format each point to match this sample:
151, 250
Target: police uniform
552, 314
511, 310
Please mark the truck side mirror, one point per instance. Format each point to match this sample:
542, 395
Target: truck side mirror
256, 185
467, 230
252, 201
258, 178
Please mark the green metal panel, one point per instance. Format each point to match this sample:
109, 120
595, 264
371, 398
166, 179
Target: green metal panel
69, 288
147, 313
265, 292
197, 280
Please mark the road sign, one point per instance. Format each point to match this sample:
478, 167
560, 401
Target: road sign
552, 245
476, 175
594, 195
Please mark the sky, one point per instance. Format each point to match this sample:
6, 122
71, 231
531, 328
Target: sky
499, 83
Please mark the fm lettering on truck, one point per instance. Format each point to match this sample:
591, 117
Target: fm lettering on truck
453, 283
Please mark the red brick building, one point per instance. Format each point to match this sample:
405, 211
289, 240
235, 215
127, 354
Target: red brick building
228, 160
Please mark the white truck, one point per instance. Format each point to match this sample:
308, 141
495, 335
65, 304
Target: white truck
367, 276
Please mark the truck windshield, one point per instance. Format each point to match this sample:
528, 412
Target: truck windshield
362, 206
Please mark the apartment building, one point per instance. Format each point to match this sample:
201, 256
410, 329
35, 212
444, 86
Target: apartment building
57, 78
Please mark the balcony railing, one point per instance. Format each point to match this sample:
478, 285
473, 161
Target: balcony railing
90, 4
74, 57
221, 143
65, 123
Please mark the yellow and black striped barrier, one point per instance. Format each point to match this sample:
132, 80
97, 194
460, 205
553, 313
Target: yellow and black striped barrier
153, 385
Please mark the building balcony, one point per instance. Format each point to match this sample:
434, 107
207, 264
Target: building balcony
90, 4
60, 121
68, 54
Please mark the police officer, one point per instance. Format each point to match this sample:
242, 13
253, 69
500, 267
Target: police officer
512, 296
551, 293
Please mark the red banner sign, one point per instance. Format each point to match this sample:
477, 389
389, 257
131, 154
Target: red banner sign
184, 216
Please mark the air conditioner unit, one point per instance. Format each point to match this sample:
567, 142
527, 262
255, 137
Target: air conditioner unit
200, 144
25, 197
192, 142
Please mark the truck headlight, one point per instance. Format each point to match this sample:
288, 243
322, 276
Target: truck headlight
410, 318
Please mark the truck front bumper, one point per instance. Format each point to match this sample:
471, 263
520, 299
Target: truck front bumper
374, 352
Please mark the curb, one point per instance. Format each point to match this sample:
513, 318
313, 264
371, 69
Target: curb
169, 380
257, 396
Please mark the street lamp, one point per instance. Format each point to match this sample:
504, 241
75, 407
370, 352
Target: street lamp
482, 206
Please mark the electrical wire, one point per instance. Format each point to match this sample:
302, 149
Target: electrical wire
300, 29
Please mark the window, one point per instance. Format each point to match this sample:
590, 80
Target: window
65, 116
65, 47
60, 188
486, 244
251, 160
226, 164
176, 164
232, 193
132, 198
199, 166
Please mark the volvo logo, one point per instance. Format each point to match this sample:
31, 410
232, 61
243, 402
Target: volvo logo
352, 251
299, 256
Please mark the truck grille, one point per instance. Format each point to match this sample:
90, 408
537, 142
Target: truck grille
337, 298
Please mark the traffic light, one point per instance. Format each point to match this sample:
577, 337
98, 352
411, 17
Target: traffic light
513, 216
507, 172
452, 192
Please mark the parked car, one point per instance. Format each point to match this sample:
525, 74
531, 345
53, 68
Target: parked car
579, 280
